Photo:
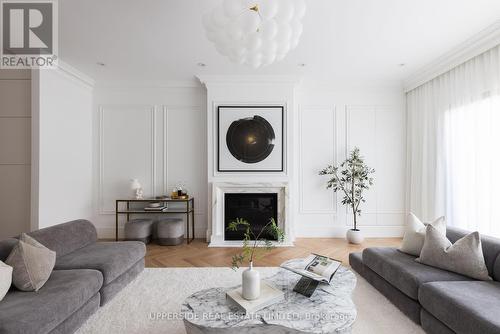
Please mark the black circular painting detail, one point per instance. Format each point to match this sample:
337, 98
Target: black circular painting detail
251, 139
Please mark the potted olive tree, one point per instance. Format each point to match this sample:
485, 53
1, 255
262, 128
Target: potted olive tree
352, 178
254, 246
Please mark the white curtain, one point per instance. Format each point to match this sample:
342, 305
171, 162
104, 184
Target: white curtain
454, 145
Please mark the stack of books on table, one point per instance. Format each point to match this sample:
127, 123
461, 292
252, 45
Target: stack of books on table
269, 295
156, 207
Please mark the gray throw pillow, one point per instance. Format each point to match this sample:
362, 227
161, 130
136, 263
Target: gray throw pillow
32, 263
464, 257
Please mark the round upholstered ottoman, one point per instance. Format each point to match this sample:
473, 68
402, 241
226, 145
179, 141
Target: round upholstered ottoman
139, 230
169, 231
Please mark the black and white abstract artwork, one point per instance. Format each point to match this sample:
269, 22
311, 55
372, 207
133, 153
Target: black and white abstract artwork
250, 138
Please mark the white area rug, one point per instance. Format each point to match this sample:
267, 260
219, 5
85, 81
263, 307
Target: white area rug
163, 290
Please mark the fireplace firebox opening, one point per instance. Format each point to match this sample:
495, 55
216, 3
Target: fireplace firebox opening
256, 208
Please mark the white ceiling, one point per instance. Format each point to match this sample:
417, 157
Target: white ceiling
356, 42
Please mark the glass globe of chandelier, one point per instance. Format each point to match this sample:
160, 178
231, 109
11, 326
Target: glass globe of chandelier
257, 32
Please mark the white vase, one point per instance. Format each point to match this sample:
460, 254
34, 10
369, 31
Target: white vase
250, 283
355, 236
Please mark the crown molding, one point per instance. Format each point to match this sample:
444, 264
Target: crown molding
75, 74
474, 46
151, 84
248, 79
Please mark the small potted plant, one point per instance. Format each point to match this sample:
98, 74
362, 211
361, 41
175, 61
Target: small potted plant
254, 247
352, 177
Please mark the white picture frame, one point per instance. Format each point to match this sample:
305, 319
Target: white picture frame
272, 117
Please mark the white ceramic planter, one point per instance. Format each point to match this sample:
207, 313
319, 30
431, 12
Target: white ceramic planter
251, 283
355, 236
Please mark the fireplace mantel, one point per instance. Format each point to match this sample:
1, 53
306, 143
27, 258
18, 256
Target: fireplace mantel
216, 230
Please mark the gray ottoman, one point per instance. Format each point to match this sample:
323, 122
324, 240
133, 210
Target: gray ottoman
169, 231
139, 230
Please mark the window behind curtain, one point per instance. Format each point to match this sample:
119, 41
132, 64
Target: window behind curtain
472, 165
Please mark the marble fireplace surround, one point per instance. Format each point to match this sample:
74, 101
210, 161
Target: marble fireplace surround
216, 230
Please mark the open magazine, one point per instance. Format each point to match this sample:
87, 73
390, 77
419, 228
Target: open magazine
316, 267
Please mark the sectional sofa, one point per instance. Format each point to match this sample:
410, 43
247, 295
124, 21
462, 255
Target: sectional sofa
87, 274
440, 301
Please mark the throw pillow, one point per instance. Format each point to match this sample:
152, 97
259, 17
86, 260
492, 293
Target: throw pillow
32, 263
5, 279
464, 257
414, 236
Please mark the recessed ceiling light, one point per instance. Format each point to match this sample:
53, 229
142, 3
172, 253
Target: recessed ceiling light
401, 65
100, 63
301, 65
201, 64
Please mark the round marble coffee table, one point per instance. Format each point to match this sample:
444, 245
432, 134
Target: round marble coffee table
329, 310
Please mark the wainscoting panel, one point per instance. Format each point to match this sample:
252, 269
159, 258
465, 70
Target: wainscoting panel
161, 145
328, 131
361, 130
127, 150
186, 154
317, 149
379, 132
391, 162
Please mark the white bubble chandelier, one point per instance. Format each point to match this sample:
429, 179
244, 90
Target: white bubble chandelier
257, 32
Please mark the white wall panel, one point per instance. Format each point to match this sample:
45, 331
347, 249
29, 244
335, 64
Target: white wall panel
361, 132
157, 135
186, 157
62, 137
127, 137
379, 132
391, 150
318, 147
374, 121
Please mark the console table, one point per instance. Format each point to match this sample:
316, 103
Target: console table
187, 209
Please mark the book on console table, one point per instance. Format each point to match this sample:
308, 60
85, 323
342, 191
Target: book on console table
158, 209
314, 269
269, 295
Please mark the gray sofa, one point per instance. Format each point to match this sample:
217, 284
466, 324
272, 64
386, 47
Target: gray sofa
440, 301
87, 274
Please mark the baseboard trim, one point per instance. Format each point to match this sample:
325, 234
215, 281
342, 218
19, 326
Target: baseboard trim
340, 232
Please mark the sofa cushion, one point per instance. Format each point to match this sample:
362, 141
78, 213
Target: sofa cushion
403, 272
465, 307
111, 258
68, 237
40, 312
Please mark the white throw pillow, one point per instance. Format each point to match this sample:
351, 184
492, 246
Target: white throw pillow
413, 239
5, 279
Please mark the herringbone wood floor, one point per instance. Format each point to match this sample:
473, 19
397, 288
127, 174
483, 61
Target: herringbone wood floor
197, 253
